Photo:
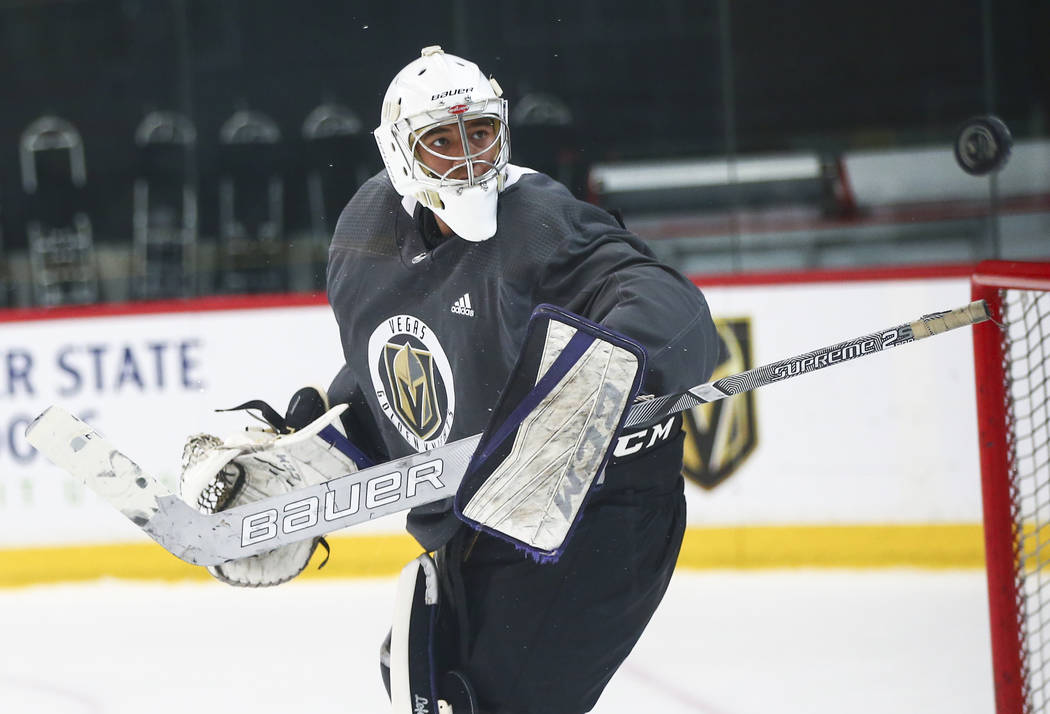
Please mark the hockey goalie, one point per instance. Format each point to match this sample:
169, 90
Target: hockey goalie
476, 296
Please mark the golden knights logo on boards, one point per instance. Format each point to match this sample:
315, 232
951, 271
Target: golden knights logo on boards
412, 380
721, 435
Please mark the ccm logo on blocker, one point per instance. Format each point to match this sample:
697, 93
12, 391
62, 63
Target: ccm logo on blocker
381, 490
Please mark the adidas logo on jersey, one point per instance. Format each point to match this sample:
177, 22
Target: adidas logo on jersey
463, 306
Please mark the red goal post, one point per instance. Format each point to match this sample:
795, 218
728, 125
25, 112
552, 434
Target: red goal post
1012, 365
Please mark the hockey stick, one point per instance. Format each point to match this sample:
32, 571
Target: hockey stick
926, 326
212, 539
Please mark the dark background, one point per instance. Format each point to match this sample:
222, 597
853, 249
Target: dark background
661, 79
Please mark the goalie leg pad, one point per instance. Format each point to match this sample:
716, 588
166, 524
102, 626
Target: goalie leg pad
552, 432
407, 658
412, 681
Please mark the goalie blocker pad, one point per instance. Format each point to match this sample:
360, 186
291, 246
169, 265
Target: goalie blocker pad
552, 432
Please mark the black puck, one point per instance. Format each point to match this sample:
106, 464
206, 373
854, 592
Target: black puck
983, 145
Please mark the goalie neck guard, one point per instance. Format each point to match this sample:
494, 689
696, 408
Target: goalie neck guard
439, 90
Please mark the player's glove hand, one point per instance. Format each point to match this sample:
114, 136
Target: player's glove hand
220, 474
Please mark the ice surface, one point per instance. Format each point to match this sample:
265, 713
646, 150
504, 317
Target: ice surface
723, 643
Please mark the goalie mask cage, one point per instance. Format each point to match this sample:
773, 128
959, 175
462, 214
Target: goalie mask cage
1012, 363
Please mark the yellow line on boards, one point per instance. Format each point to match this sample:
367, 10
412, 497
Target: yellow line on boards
740, 547
357, 556
840, 546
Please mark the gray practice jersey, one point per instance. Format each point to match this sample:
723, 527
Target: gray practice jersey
430, 336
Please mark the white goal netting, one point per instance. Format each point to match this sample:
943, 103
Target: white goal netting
1026, 314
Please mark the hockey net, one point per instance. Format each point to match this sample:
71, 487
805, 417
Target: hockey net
1012, 362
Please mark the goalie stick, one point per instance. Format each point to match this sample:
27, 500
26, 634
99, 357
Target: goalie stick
261, 526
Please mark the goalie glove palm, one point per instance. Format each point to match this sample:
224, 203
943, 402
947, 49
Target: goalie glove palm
218, 475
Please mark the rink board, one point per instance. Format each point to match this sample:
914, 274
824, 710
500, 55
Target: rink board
870, 463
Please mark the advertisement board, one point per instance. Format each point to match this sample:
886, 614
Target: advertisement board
874, 456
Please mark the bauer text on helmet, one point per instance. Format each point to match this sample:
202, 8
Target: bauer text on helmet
444, 140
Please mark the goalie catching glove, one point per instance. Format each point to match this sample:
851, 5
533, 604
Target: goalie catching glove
306, 447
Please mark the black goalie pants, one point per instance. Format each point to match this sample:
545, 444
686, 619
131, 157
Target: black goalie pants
548, 637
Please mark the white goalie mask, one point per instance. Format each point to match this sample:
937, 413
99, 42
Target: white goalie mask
460, 183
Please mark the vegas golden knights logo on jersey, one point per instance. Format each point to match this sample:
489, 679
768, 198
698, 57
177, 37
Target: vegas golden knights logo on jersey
413, 380
412, 388
721, 435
